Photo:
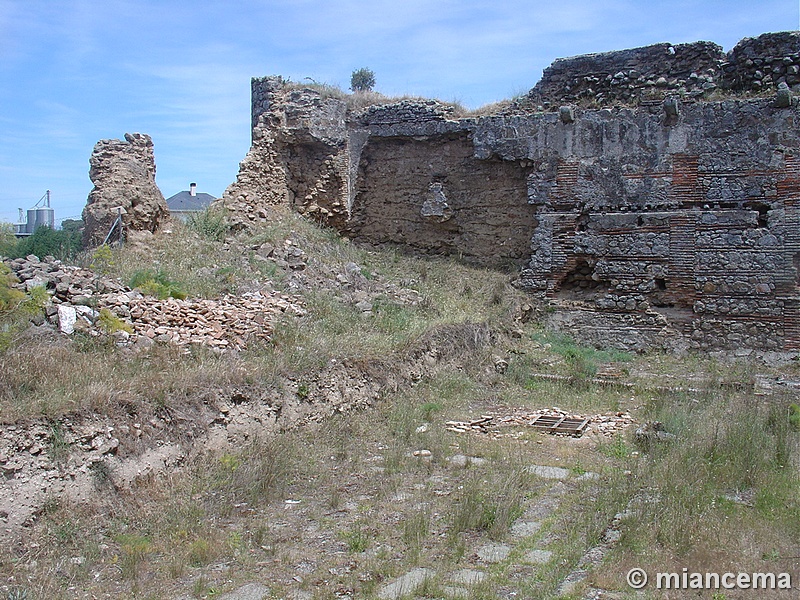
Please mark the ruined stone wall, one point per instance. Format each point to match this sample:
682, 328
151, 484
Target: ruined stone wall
763, 62
299, 156
652, 73
630, 75
671, 224
684, 225
451, 203
124, 176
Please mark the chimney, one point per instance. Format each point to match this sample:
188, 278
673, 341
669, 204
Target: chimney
193, 189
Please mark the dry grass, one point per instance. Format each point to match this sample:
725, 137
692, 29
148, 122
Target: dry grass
364, 508
358, 101
50, 377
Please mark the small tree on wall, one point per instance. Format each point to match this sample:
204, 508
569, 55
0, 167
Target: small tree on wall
362, 80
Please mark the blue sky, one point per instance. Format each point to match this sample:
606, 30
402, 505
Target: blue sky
76, 71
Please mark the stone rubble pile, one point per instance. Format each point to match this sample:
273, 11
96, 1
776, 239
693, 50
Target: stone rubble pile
78, 297
607, 424
227, 322
352, 283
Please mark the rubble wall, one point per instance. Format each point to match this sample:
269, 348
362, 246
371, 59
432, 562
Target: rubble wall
652, 73
756, 64
628, 75
124, 176
669, 223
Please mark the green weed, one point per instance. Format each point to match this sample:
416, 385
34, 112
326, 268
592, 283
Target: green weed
102, 259
794, 416
357, 539
490, 506
111, 323
134, 549
200, 553
429, 409
617, 448
156, 283
211, 223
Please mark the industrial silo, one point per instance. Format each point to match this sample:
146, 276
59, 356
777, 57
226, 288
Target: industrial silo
45, 216
31, 225
41, 215
21, 226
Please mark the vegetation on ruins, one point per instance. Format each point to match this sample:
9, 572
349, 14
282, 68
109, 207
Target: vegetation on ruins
210, 222
385, 487
155, 282
362, 80
385, 433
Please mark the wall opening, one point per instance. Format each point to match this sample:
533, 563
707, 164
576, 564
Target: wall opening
763, 210
580, 279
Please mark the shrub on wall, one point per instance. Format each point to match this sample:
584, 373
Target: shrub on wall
362, 80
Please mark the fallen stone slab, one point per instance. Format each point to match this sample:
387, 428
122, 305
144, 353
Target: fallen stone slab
538, 557
571, 582
525, 528
549, 472
460, 460
250, 591
66, 318
405, 584
467, 577
547, 503
493, 553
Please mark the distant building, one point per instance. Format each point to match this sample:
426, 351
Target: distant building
40, 215
184, 203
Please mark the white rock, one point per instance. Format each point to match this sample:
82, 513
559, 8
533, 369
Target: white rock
66, 318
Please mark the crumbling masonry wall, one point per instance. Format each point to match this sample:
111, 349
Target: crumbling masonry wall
299, 156
124, 176
650, 74
645, 220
